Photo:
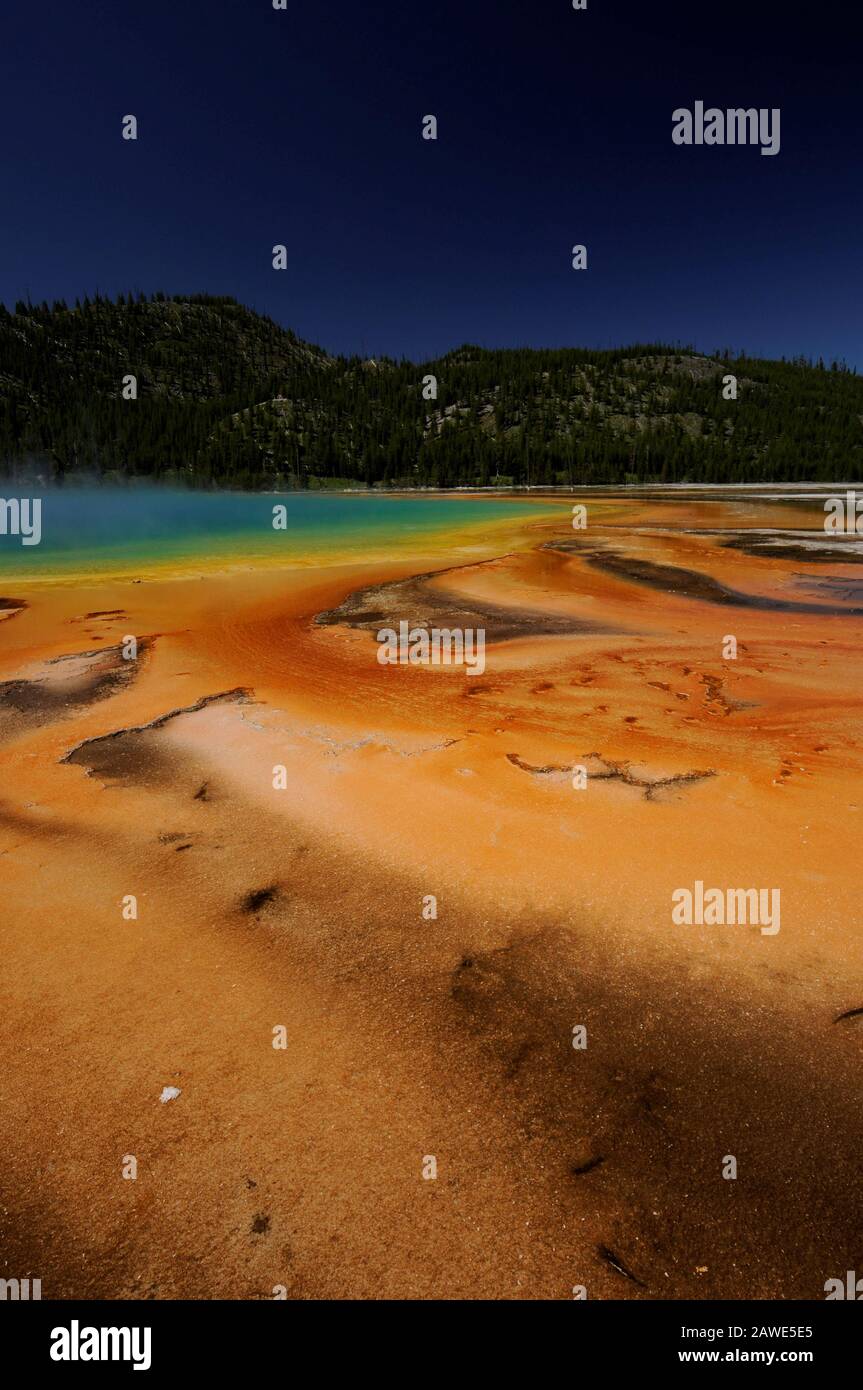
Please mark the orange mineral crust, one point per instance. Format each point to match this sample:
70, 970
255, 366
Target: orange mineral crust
454, 893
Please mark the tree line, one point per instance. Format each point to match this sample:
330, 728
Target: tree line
226, 397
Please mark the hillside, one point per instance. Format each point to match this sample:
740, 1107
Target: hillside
228, 397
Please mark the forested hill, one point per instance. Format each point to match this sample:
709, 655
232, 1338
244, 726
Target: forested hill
227, 397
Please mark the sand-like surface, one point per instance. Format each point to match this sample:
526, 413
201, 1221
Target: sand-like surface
408, 1036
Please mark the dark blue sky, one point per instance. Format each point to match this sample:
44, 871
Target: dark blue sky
302, 126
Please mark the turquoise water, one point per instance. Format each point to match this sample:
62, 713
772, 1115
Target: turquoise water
95, 529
